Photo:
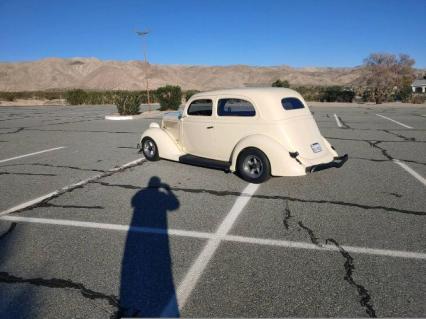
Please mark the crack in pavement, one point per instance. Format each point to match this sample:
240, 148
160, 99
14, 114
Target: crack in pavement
365, 298
311, 234
405, 138
71, 206
78, 185
13, 132
272, 197
385, 160
80, 131
394, 194
27, 174
287, 216
55, 166
344, 124
112, 300
301, 226
361, 140
375, 144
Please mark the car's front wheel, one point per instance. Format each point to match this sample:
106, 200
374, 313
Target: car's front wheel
253, 166
150, 149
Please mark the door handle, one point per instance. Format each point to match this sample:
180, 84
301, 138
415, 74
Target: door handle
209, 127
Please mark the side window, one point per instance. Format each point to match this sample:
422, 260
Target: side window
235, 107
201, 107
292, 103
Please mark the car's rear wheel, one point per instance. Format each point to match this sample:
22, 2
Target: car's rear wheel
150, 149
253, 166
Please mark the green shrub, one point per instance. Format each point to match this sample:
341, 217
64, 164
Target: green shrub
190, 93
8, 96
170, 97
76, 97
337, 94
127, 103
281, 84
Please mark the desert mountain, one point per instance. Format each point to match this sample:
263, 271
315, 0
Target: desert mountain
91, 73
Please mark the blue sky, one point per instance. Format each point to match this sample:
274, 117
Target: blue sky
214, 32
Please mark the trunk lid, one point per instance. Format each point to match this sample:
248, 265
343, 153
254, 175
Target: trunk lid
303, 136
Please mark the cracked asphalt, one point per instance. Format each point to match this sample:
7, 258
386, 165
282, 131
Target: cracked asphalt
71, 255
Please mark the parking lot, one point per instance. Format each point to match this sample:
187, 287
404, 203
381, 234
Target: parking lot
88, 228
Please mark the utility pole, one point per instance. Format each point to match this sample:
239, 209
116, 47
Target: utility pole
143, 34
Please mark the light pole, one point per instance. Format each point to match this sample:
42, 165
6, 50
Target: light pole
144, 34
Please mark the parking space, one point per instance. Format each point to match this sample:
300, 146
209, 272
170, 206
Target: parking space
163, 238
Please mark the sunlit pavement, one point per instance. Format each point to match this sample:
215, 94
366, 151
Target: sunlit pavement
163, 238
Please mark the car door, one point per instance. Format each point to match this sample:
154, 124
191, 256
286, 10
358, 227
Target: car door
236, 119
197, 128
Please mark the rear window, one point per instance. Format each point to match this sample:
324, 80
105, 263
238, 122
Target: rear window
291, 103
201, 107
235, 107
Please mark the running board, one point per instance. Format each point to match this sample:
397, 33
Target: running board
204, 162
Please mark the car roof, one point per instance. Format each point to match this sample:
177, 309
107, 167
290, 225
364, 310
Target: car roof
267, 99
253, 92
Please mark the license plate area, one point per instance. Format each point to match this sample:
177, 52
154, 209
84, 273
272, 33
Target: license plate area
316, 148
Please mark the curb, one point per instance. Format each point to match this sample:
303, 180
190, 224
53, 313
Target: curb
119, 117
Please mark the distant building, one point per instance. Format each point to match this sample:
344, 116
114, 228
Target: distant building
419, 86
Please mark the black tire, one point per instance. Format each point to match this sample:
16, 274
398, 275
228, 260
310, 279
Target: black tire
253, 166
150, 149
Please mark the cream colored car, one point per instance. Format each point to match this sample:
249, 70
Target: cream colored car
256, 132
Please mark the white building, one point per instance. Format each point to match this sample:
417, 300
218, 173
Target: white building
419, 86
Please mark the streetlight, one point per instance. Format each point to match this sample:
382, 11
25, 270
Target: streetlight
144, 34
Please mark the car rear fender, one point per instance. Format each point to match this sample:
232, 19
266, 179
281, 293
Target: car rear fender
168, 148
282, 164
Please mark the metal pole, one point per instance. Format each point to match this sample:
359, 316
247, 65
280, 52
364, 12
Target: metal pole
143, 34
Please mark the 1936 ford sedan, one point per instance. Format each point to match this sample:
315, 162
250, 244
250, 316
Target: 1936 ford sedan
255, 132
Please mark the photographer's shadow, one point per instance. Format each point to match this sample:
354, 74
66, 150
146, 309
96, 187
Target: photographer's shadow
147, 286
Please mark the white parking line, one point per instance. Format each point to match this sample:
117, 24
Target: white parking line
217, 237
31, 154
399, 123
70, 187
194, 273
339, 124
413, 173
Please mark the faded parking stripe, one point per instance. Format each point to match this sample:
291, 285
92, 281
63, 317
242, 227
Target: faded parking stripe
31, 154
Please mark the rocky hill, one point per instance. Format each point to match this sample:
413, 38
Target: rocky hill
91, 73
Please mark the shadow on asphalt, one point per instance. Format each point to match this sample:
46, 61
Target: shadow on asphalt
146, 286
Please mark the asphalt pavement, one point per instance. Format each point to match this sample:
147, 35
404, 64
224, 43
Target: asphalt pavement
89, 229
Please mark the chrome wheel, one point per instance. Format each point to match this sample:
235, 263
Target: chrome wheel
149, 149
253, 166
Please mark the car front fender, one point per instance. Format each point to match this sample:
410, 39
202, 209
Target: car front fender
282, 164
167, 146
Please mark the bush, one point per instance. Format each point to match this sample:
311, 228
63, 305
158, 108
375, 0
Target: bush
127, 103
76, 97
170, 97
337, 94
190, 93
418, 99
281, 84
